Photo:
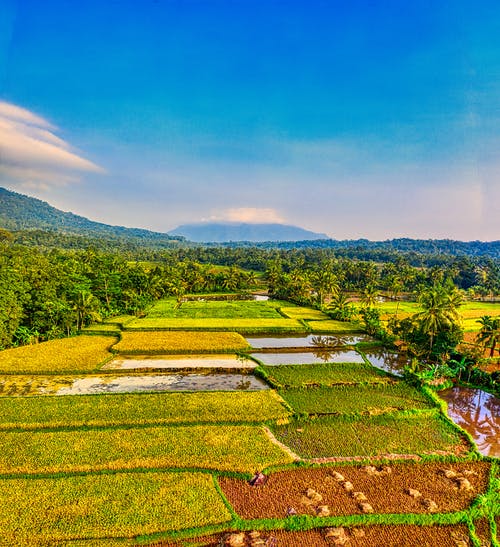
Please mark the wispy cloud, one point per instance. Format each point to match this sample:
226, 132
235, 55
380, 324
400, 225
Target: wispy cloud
32, 155
248, 214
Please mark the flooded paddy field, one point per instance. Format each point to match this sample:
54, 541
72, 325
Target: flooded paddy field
181, 362
387, 360
478, 412
308, 357
165, 382
308, 340
26, 386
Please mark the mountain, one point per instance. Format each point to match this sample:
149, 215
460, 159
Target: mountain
219, 232
20, 212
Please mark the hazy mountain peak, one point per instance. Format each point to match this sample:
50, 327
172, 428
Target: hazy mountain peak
219, 232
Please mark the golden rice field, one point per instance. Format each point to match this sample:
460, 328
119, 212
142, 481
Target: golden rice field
180, 342
141, 409
50, 510
77, 354
222, 447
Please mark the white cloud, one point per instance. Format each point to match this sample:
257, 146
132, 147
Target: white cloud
248, 214
31, 155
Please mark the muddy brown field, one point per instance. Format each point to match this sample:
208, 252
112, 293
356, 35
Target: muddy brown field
366, 536
349, 490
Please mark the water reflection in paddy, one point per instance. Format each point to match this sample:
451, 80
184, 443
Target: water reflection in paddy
478, 412
309, 340
309, 357
167, 382
180, 362
388, 361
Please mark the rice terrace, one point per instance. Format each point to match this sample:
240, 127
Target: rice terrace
213, 421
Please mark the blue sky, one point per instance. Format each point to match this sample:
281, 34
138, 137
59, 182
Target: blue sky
358, 119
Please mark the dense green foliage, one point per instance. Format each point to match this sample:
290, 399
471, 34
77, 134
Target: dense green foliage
46, 295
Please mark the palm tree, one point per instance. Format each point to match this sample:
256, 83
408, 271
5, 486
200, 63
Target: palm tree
395, 287
369, 296
324, 282
440, 311
489, 335
86, 307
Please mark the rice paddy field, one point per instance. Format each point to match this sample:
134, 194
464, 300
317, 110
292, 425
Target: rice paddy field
333, 453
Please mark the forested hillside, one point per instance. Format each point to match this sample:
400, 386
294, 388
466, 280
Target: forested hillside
19, 212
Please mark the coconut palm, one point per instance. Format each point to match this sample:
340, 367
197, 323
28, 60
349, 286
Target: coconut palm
440, 311
369, 296
489, 335
324, 282
86, 307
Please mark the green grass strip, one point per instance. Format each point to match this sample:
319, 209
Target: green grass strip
242, 325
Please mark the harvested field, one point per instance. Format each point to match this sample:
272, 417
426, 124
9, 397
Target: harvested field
348, 437
180, 342
344, 489
360, 399
483, 531
324, 374
404, 535
379, 536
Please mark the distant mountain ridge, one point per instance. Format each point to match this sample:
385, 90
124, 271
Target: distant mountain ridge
36, 223
20, 212
221, 232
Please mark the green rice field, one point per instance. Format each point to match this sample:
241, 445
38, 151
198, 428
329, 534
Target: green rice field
372, 436
360, 399
324, 374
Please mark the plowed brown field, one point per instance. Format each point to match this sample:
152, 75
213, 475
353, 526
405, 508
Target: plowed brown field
367, 536
348, 490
